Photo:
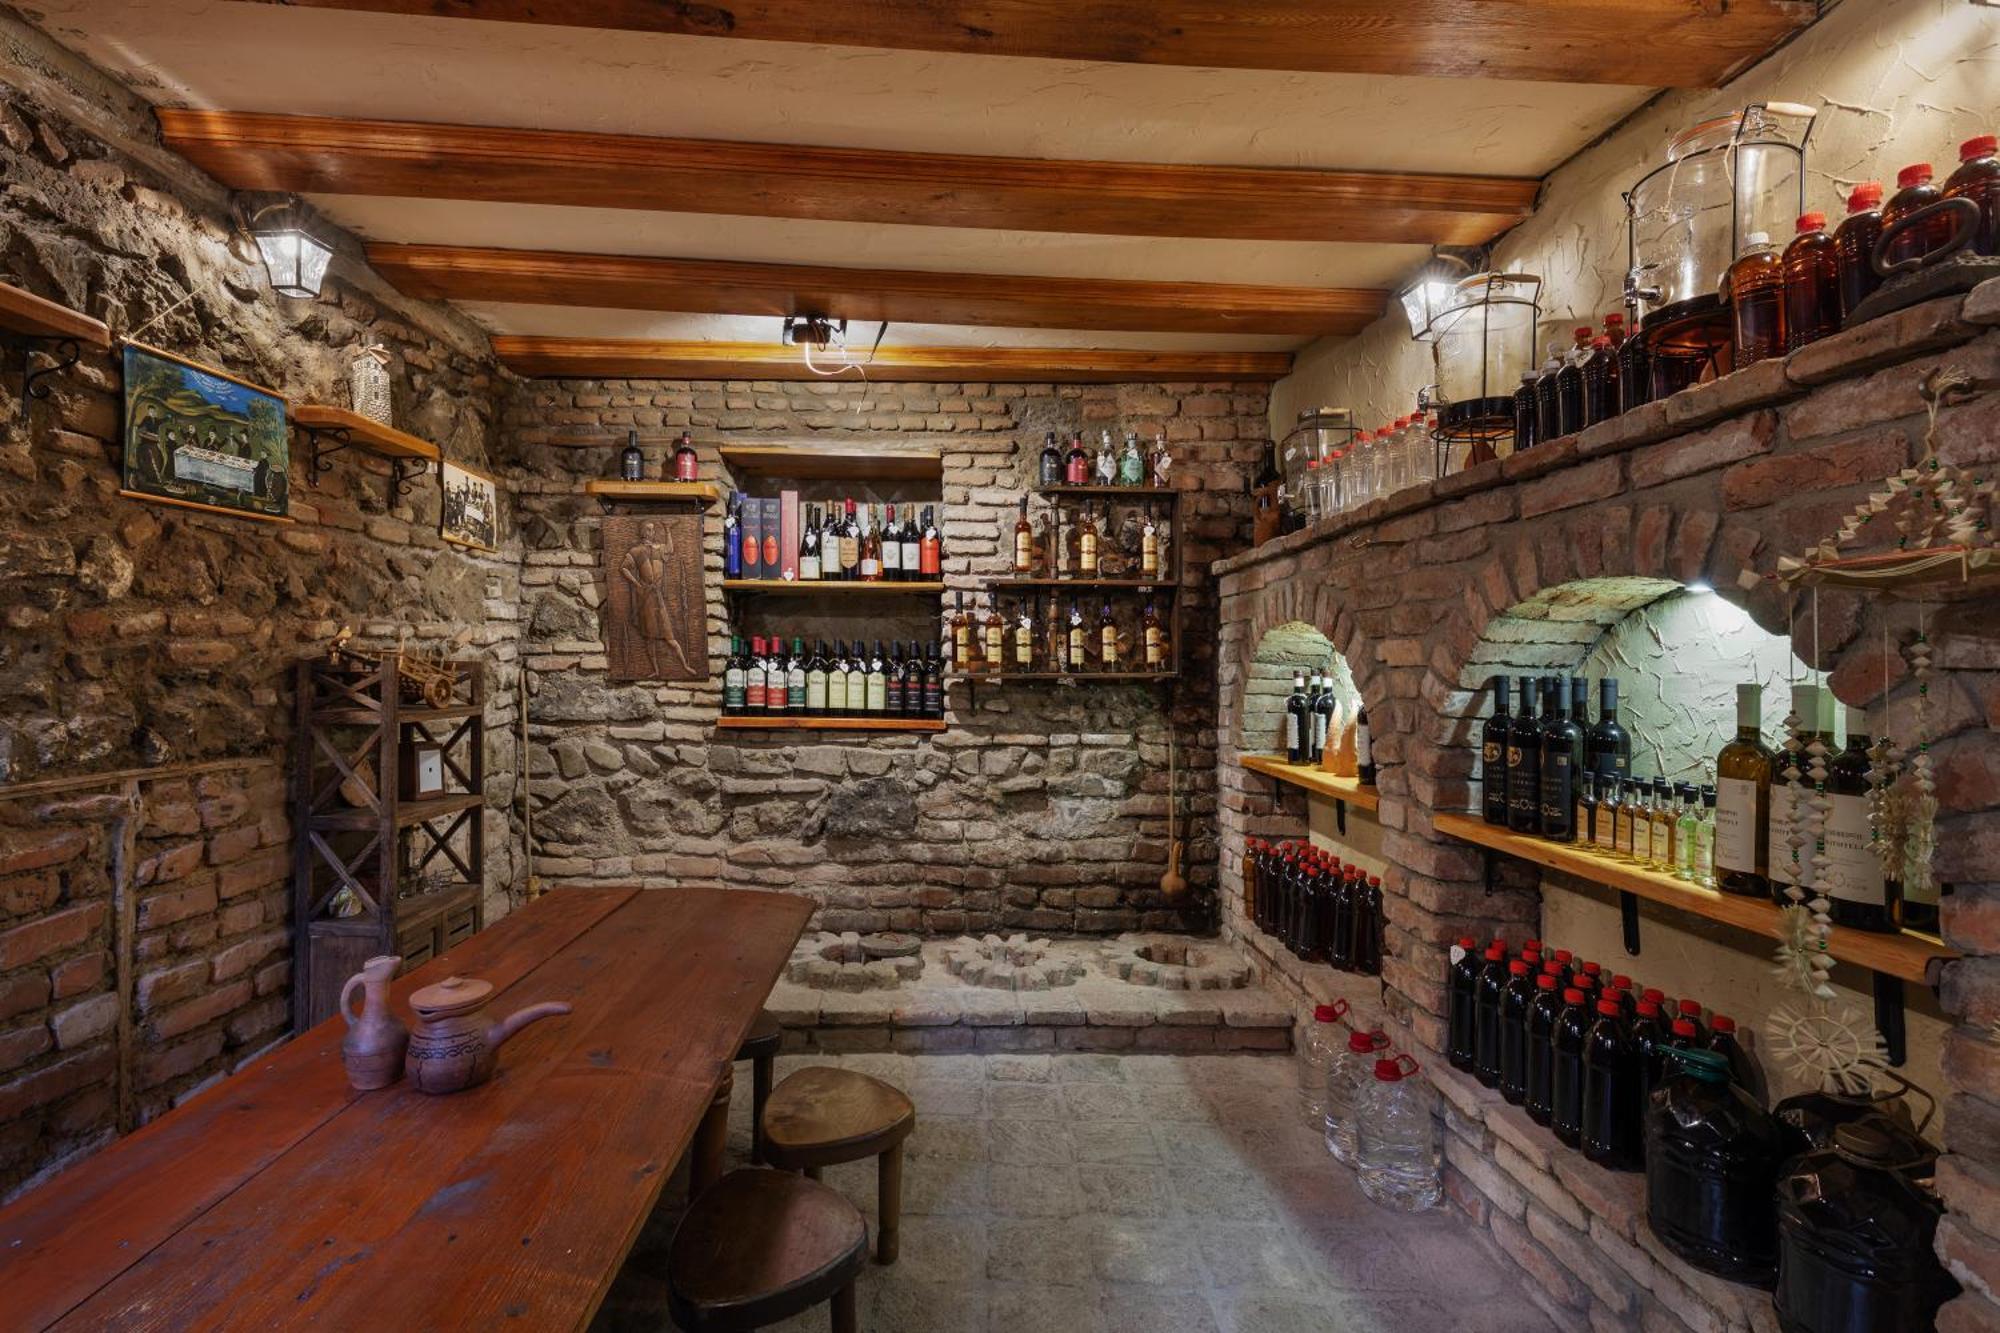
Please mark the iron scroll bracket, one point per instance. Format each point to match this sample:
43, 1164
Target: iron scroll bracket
405, 472
1628, 921
68, 352
320, 453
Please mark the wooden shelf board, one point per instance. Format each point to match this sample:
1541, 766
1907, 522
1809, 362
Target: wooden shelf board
407, 812
417, 908
1314, 781
1078, 677
373, 436
35, 316
810, 464
785, 723
1168, 493
368, 716
848, 587
1906, 955
645, 492
1126, 585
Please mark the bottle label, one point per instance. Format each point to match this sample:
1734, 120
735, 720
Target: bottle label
1079, 645
1736, 825
1156, 655
753, 689
1024, 549
913, 557
961, 646
808, 565
878, 692
1606, 833
892, 555
1292, 732
1364, 746
1149, 553
996, 645
1580, 820
732, 688
1785, 807
1663, 840
836, 691
1109, 637
850, 552
1855, 873
1024, 646
816, 691
871, 569
1086, 552
931, 556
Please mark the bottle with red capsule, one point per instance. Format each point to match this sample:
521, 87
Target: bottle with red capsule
1914, 191
1462, 982
1743, 1070
1690, 1011
1614, 1094
1368, 928
1486, 1016
1542, 1013
1978, 179
1651, 1034
1854, 245
1514, 998
1566, 1068
1621, 991
1812, 284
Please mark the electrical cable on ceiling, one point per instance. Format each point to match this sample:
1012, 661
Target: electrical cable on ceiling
838, 339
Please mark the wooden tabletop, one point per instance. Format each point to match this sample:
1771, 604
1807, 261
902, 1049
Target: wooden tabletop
280, 1198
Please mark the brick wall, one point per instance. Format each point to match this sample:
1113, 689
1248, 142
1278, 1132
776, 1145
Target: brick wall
1520, 563
1042, 807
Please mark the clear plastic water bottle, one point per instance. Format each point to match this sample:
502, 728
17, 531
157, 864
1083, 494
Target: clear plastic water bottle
1398, 1150
1323, 1041
1347, 1084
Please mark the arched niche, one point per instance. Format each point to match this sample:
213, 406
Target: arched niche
1283, 650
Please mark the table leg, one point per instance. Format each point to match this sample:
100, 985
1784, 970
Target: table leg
889, 1204
760, 1094
711, 1138
844, 1320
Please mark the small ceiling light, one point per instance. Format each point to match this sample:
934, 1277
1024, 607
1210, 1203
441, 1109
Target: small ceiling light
1430, 291
1700, 586
295, 259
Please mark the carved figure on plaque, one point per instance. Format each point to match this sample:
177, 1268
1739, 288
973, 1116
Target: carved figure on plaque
655, 619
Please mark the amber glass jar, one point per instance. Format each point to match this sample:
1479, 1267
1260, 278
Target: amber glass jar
1854, 244
1756, 288
1978, 179
1812, 284
1914, 191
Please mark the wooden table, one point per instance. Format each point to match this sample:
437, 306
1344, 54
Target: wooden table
280, 1198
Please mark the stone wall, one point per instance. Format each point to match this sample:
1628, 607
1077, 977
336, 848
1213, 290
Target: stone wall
1519, 564
1042, 808
144, 927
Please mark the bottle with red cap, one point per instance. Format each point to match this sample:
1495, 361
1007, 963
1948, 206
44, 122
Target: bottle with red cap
1978, 179
1346, 1083
1542, 1013
1461, 984
1742, 1068
1569, 384
1635, 373
1755, 287
1812, 284
1324, 1040
1854, 245
1368, 927
1486, 1016
1340, 922
1398, 1153
1914, 191
1614, 1093
1690, 1013
1514, 998
1600, 382
1652, 1036
1566, 1068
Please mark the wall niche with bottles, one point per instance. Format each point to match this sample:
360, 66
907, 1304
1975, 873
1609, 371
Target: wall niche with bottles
832, 575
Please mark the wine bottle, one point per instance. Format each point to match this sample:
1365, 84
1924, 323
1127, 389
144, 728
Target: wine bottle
631, 461
816, 681
1743, 801
732, 536
1561, 758
1493, 757
1608, 746
1051, 473
1364, 748
1858, 889
732, 678
795, 679
913, 547
1524, 764
687, 467
892, 547
896, 679
1107, 634
1024, 542
877, 699
1298, 723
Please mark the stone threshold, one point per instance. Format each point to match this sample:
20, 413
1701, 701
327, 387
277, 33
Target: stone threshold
1899, 336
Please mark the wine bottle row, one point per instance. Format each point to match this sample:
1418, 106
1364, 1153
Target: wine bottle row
778, 537
1319, 907
769, 679
1092, 548
1019, 640
1309, 713
1134, 465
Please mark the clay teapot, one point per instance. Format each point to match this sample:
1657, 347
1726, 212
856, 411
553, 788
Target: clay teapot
453, 1047
373, 1048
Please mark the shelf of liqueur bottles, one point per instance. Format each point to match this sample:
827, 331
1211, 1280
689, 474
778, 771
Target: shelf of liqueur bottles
1905, 954
813, 587
1314, 780
1115, 492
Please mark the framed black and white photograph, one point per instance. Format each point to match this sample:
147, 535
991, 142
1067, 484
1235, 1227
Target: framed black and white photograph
470, 513
201, 439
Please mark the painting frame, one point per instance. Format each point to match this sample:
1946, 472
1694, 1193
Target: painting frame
166, 396
462, 524
654, 618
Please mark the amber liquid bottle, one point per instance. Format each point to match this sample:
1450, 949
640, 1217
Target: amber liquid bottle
1743, 802
1024, 542
1914, 191
1548, 419
1635, 376
1854, 245
1756, 285
1812, 284
1600, 382
1569, 386
1978, 179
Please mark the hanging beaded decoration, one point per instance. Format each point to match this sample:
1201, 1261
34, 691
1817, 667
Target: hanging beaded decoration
1920, 828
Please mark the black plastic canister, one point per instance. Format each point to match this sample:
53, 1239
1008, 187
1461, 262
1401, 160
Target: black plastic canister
1712, 1159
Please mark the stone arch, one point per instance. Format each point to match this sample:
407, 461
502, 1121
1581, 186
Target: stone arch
1278, 652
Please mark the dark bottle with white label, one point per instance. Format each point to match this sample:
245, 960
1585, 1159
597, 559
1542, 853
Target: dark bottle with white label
1858, 889
1493, 757
1524, 764
1364, 748
1051, 473
1607, 745
632, 462
1298, 721
1561, 760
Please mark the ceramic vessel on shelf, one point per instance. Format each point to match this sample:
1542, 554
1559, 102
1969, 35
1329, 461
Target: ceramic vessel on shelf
373, 1048
453, 1046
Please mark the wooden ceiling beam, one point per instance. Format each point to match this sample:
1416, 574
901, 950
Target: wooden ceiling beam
254, 151
1649, 43
601, 358
718, 287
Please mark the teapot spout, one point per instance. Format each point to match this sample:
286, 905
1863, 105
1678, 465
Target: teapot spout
520, 1018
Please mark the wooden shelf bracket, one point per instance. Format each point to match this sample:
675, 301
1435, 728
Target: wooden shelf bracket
68, 352
323, 442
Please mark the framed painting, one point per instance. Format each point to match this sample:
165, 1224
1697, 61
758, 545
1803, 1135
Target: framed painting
202, 439
655, 616
470, 513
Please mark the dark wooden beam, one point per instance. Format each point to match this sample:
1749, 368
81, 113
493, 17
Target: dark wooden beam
611, 358
252, 151
716, 287
1653, 43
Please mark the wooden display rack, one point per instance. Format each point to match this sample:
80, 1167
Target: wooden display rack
354, 829
410, 457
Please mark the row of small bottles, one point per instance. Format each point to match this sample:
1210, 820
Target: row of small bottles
1016, 642
1086, 546
1371, 465
1309, 713
1320, 908
1133, 465
769, 680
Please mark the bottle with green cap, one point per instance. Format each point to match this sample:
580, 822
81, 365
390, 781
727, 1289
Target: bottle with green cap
1712, 1157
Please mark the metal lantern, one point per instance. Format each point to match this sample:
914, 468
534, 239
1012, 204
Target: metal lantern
1481, 341
1429, 293
1687, 220
294, 258
368, 377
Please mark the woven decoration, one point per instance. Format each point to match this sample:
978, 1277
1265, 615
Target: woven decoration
1831, 1048
1920, 808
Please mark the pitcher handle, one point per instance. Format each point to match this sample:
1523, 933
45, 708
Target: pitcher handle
345, 991
1404, 1058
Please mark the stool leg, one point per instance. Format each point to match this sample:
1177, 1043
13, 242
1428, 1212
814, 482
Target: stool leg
812, 1173
844, 1320
889, 1204
760, 1093
711, 1139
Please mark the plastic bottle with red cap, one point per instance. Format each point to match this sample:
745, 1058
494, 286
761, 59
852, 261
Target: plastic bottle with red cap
1566, 1068
1812, 284
1755, 287
1514, 998
1542, 1013
1324, 1039
1462, 983
1614, 1093
1399, 1154
1742, 1068
1600, 382
1569, 383
1978, 179
1854, 245
1914, 191
1651, 1034
1690, 1013
1486, 1016
1346, 1086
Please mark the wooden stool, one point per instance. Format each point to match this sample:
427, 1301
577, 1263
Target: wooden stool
819, 1117
760, 1048
761, 1247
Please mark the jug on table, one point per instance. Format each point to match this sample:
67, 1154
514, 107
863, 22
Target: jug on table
376, 1039
453, 1046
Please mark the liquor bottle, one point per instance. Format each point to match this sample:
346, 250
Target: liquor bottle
993, 640
1461, 979
1541, 1030
850, 545
1569, 384
1086, 544
1515, 997
1364, 748
1914, 191
1786, 805
1812, 284
686, 464
1566, 1068
1493, 757
1608, 747
1051, 473
1131, 463
1023, 658
1105, 472
1298, 722
809, 546
754, 698
930, 548
933, 683
1600, 382
1614, 1093
1704, 848
961, 636
631, 461
1561, 759
1857, 888
1156, 655
1854, 245
1756, 289
1548, 416
1149, 547
877, 698
1635, 371
829, 540
1584, 822
1665, 818
1486, 1015
1687, 822
1743, 801
1076, 463
1978, 179
795, 678
1524, 764
733, 669
1108, 658
732, 533
1635, 835
1024, 542
1610, 809
774, 675
891, 542
1161, 463
836, 681
1526, 424
816, 671
870, 547
897, 679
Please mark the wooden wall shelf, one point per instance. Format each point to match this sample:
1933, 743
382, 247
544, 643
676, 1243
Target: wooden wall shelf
1314, 781
838, 587
650, 492
787, 723
1167, 493
1074, 677
350, 430
811, 464
1907, 956
33, 316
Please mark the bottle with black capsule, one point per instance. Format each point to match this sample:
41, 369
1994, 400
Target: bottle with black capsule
1524, 764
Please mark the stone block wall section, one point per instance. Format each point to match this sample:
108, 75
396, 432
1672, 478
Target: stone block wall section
1042, 808
1722, 479
134, 636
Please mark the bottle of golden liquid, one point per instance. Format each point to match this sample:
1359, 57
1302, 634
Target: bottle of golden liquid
1743, 802
1812, 284
1663, 817
1024, 542
993, 639
963, 641
1610, 809
1149, 548
1756, 287
1632, 843
1079, 639
1023, 658
1086, 545
1107, 636
1156, 639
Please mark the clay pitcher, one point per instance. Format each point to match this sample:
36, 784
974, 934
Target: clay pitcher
373, 1048
453, 1046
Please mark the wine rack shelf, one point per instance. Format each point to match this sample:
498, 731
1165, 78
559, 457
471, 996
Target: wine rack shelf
649, 492
783, 723
1906, 955
752, 460
838, 587
1314, 781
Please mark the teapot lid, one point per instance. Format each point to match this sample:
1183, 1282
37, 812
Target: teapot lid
453, 995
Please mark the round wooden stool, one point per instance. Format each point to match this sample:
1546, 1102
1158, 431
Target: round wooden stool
760, 1048
820, 1117
761, 1247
